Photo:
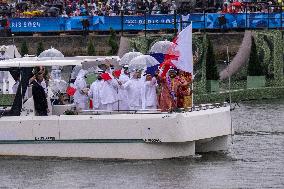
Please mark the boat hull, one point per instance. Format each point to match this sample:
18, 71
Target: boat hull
121, 136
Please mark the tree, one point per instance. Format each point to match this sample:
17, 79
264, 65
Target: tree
24, 48
112, 42
211, 66
254, 66
91, 49
40, 48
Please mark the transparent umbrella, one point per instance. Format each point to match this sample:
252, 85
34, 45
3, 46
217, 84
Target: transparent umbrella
125, 60
142, 61
93, 63
161, 47
58, 86
51, 53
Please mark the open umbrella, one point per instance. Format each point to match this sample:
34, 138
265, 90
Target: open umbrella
93, 63
125, 60
51, 53
161, 47
142, 62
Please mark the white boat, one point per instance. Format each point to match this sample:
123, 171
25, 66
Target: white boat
115, 135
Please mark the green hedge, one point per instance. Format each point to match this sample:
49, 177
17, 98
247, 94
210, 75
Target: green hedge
241, 95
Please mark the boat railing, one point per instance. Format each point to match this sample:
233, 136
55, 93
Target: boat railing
194, 108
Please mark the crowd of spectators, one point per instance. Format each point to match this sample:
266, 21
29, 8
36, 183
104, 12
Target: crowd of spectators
247, 6
69, 8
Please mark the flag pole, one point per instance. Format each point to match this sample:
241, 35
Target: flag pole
192, 77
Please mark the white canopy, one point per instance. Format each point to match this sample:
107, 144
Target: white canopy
67, 61
34, 63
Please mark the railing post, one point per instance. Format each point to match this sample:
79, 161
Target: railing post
204, 21
175, 22
246, 25
145, 24
181, 22
122, 21
268, 12
281, 17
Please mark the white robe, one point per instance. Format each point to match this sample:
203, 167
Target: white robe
109, 95
80, 84
95, 94
122, 93
149, 94
134, 89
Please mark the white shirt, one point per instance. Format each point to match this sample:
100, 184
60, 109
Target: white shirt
134, 89
149, 95
109, 90
95, 93
80, 84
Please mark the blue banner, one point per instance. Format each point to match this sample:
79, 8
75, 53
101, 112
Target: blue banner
153, 22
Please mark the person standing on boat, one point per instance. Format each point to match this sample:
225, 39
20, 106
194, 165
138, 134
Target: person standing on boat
168, 85
109, 89
80, 96
39, 95
134, 89
149, 95
121, 77
184, 93
95, 93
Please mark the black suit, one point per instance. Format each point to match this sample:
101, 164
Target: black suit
40, 101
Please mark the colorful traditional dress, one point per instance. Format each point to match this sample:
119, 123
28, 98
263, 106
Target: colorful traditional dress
184, 97
167, 96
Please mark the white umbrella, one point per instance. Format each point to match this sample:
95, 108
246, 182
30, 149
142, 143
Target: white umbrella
125, 60
161, 47
93, 63
50, 54
142, 61
58, 86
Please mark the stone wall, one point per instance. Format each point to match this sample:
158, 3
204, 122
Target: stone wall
76, 45
69, 45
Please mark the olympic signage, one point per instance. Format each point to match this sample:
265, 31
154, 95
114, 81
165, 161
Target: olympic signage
153, 22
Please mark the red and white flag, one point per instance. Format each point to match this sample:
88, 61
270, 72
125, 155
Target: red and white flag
180, 54
183, 49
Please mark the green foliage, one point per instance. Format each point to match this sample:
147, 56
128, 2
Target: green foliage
91, 49
24, 48
40, 48
254, 66
211, 66
112, 42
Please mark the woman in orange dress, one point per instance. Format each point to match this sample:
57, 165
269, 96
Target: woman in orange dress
184, 93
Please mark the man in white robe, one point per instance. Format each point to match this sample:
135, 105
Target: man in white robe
109, 90
80, 96
95, 93
121, 79
149, 94
134, 89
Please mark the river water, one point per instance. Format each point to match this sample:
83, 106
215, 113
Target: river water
255, 160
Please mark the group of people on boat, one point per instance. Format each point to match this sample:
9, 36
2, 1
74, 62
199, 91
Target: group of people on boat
134, 90
121, 89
